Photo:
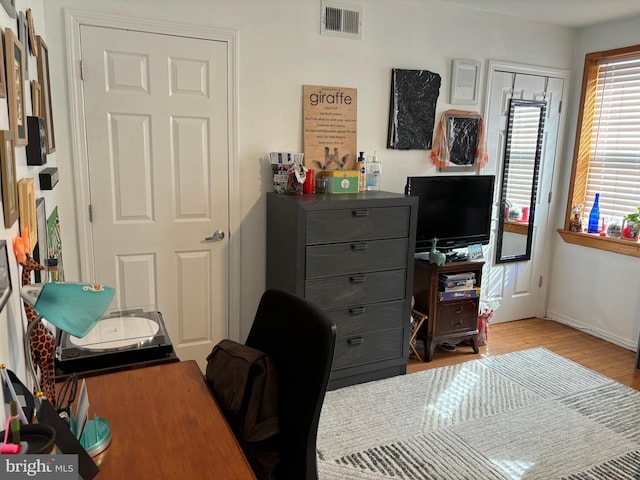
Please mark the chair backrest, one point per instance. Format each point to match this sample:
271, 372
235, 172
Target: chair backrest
300, 339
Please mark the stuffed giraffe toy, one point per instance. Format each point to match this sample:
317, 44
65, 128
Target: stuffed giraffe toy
41, 340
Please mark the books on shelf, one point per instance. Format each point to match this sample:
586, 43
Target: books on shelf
457, 295
457, 286
453, 285
458, 276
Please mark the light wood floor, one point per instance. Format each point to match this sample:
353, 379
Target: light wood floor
611, 360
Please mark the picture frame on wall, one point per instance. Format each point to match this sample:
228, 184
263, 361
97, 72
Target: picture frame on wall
5, 275
54, 239
27, 203
46, 109
41, 249
3, 83
9, 180
36, 98
14, 55
465, 82
23, 31
32, 34
10, 7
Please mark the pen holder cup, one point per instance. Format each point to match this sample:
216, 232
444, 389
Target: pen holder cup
40, 438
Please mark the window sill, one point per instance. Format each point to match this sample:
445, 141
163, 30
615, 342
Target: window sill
516, 227
615, 245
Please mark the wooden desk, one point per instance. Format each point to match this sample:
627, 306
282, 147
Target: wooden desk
164, 424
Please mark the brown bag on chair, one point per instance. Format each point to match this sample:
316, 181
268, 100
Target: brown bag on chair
244, 382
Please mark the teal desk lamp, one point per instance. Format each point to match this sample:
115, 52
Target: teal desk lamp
74, 308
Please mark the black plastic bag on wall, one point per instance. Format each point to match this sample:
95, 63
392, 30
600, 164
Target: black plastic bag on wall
412, 109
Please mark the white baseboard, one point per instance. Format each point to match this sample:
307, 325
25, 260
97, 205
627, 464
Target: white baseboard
629, 344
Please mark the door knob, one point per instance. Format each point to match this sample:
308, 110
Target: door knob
216, 237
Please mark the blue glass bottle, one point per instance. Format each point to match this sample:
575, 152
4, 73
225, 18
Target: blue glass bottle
594, 216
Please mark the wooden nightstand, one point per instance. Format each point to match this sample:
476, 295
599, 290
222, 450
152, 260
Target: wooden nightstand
449, 321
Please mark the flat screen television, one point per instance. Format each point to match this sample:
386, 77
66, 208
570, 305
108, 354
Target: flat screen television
455, 209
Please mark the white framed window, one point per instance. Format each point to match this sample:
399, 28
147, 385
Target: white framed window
607, 148
614, 156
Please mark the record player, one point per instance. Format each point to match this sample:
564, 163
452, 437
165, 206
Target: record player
121, 339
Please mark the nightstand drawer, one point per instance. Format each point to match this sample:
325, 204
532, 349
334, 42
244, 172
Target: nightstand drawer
368, 318
329, 226
360, 349
456, 316
357, 289
361, 256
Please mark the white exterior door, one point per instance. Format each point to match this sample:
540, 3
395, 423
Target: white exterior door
519, 286
157, 147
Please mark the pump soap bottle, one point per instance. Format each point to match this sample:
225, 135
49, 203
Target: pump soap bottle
374, 173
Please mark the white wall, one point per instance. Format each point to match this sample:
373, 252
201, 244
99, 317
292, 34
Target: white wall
12, 323
598, 292
280, 49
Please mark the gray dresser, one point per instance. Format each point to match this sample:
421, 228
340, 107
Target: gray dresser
352, 255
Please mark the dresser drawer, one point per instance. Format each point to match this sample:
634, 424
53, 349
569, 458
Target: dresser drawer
456, 317
358, 257
360, 349
345, 225
357, 289
368, 318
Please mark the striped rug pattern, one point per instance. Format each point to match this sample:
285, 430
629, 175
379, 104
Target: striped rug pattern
523, 415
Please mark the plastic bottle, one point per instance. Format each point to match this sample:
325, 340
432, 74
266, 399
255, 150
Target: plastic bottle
362, 173
370, 180
594, 216
375, 173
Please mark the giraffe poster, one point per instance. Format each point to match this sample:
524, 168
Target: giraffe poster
330, 127
55, 246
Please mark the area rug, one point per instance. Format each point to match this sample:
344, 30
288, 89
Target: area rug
524, 415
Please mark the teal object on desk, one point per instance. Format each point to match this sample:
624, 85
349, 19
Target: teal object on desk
96, 435
72, 307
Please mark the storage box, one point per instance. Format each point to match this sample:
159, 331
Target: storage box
342, 181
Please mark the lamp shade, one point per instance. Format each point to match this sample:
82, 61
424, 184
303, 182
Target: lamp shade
72, 307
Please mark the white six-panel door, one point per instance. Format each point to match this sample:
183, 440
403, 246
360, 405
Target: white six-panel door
157, 147
519, 287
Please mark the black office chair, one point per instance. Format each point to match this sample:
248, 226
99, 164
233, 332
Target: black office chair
300, 339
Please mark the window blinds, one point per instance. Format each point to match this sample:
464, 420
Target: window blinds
614, 164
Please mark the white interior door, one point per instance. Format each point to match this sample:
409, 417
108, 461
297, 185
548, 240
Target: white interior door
519, 286
157, 147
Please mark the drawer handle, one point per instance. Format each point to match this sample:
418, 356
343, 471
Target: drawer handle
360, 212
357, 311
355, 341
455, 324
357, 279
358, 246
459, 309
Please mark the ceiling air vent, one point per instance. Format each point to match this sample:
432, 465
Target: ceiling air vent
341, 20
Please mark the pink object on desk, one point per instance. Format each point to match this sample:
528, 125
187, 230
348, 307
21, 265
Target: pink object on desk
525, 214
9, 448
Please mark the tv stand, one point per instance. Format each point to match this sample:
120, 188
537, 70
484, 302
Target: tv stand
448, 321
